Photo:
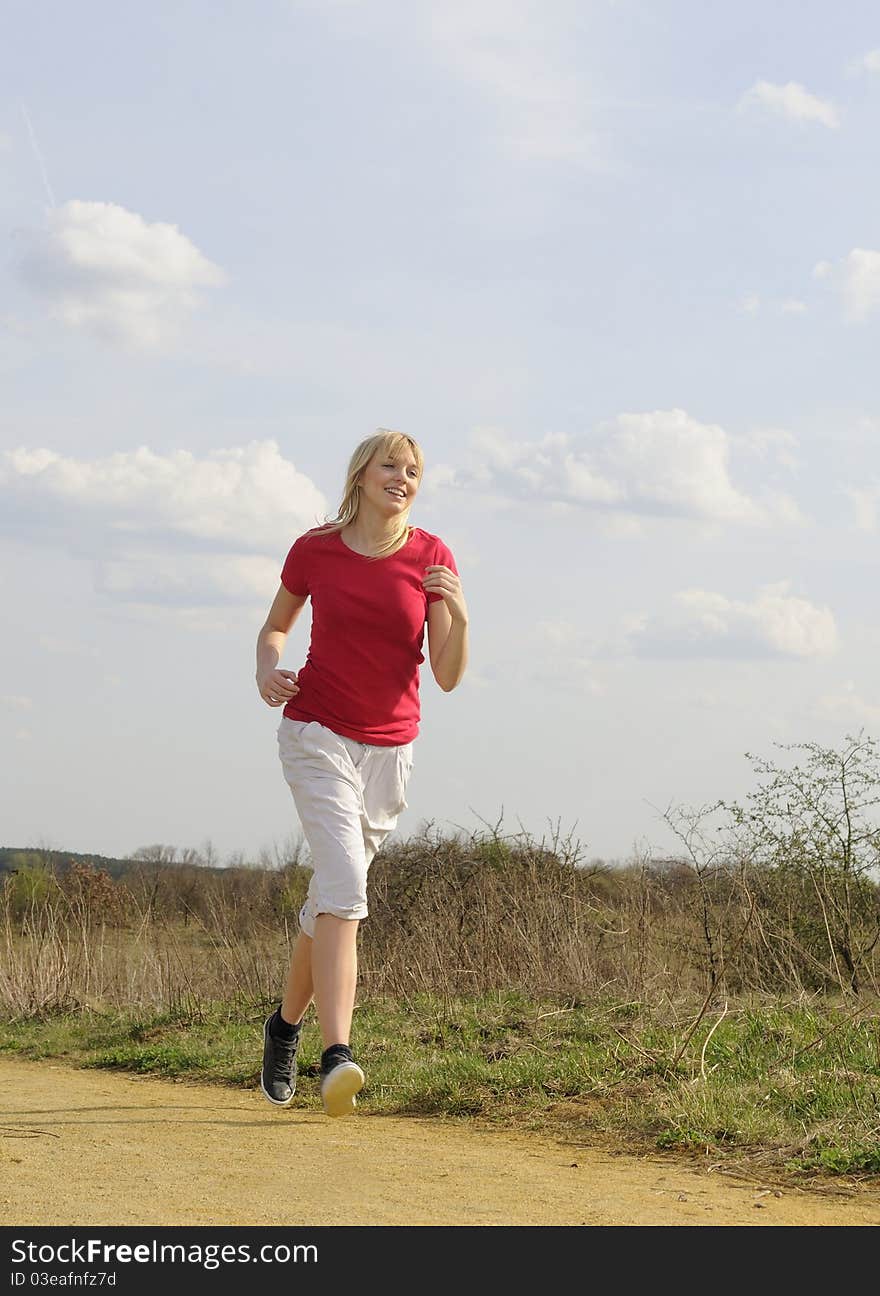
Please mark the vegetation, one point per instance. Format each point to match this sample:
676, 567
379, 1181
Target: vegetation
725, 1002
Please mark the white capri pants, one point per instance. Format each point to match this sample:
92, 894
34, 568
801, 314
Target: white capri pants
348, 797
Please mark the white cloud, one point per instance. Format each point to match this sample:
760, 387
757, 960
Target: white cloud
660, 464
5, 142
869, 62
707, 624
200, 579
792, 101
515, 52
856, 278
168, 528
769, 443
106, 270
670, 463
866, 506
750, 304
243, 498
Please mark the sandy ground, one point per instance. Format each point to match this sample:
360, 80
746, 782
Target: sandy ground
100, 1148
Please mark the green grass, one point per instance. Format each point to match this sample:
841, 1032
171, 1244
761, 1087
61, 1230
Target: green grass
792, 1088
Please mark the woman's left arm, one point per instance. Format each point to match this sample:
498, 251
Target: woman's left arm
447, 627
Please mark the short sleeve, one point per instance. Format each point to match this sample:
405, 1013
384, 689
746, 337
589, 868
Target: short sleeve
442, 558
295, 572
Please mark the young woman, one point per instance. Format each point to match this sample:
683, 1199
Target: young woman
346, 734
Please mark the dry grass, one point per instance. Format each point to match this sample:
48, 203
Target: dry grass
449, 915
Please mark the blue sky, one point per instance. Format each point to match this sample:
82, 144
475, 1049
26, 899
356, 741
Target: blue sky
615, 265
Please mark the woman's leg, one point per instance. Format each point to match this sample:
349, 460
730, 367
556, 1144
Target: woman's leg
334, 975
383, 773
299, 989
348, 796
324, 968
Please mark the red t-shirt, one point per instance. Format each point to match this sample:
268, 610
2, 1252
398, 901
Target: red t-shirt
361, 677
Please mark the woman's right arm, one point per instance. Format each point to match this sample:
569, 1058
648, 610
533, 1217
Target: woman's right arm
276, 686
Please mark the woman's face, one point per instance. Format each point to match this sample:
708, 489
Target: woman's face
390, 484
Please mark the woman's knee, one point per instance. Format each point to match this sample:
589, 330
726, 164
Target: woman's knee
350, 908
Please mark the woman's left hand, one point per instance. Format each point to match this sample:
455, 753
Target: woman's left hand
443, 581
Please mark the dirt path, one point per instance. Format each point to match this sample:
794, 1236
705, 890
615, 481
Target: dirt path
100, 1148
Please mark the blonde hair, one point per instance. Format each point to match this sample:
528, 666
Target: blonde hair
387, 442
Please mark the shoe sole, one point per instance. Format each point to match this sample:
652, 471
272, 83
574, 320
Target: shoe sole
340, 1088
276, 1102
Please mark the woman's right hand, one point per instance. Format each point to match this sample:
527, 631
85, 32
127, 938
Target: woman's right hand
278, 687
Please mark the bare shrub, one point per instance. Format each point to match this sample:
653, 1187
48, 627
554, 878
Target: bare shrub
809, 827
782, 899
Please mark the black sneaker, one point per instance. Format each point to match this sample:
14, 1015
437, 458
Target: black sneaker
341, 1080
278, 1077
